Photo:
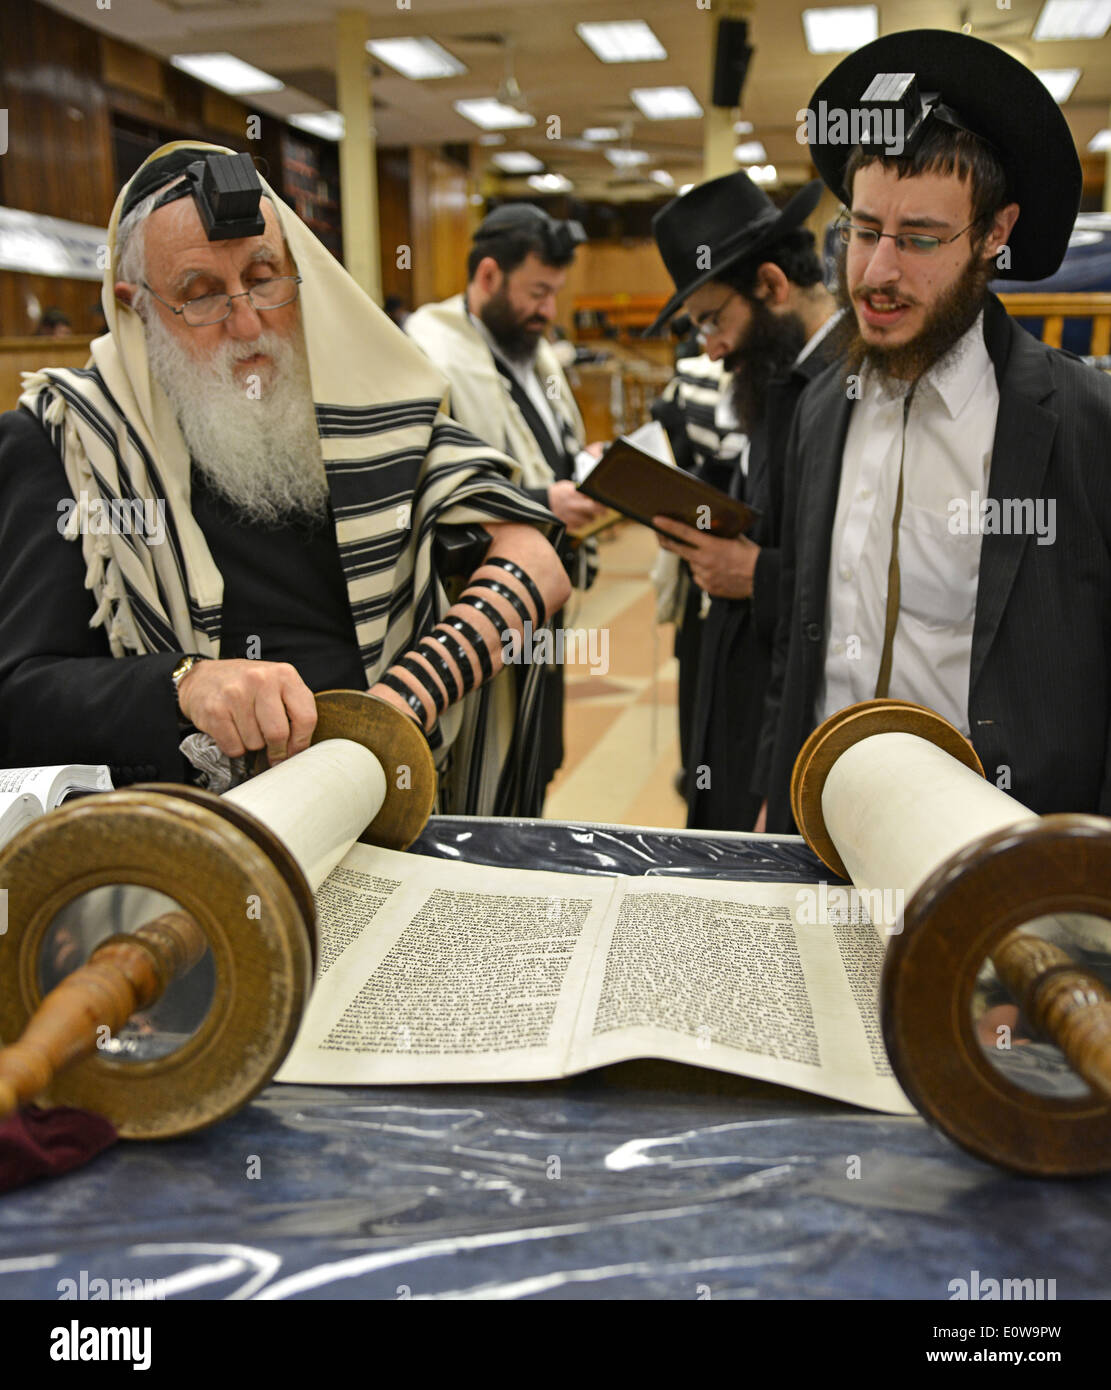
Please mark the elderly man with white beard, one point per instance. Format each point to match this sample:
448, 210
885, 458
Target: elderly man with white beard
310, 496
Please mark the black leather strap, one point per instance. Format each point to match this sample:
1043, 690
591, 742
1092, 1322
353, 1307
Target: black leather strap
497, 587
424, 680
451, 644
487, 610
475, 638
524, 578
435, 657
410, 697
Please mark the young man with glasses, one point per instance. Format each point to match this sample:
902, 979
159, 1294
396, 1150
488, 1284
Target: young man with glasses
749, 277
948, 513
294, 442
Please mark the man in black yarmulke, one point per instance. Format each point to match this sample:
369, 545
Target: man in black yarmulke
947, 525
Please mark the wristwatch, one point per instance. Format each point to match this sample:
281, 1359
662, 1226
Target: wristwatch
180, 671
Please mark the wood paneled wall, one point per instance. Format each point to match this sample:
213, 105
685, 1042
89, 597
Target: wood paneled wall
395, 226
441, 222
612, 267
59, 158
79, 300
18, 355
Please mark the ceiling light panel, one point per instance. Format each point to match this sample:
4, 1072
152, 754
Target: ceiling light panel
843, 29
627, 41
492, 114
420, 59
667, 103
226, 72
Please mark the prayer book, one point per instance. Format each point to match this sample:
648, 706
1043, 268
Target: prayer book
635, 478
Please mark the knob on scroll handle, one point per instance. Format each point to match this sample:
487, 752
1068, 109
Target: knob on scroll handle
889, 794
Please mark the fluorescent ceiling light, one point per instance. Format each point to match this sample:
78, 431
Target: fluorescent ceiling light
751, 152
840, 30
663, 177
327, 124
492, 114
599, 133
491, 139
685, 188
743, 127
1073, 19
416, 58
1059, 81
667, 103
626, 41
627, 159
550, 183
517, 162
226, 72
1100, 142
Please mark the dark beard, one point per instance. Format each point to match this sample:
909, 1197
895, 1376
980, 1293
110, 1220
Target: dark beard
771, 343
949, 320
516, 342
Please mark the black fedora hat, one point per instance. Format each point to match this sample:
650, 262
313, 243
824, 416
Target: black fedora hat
982, 89
717, 224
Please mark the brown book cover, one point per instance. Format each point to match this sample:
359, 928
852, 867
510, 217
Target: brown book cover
641, 487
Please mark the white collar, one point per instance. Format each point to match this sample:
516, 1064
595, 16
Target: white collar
952, 379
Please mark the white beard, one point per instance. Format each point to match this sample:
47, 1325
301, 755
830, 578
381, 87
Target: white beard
262, 455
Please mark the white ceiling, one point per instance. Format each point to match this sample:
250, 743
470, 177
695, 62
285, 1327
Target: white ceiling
559, 75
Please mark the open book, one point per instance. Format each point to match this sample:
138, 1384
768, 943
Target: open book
26, 792
431, 971
637, 477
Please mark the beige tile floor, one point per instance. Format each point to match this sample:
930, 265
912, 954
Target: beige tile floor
621, 738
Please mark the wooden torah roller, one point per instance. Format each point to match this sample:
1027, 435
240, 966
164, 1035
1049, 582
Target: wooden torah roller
889, 794
242, 868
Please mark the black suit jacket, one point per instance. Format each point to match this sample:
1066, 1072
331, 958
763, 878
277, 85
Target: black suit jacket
1039, 699
738, 634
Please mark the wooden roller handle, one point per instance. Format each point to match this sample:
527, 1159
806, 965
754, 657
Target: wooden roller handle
1068, 1005
123, 975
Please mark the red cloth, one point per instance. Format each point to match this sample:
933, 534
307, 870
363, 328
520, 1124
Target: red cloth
38, 1143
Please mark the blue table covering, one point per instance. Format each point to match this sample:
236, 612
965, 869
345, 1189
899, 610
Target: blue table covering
644, 1180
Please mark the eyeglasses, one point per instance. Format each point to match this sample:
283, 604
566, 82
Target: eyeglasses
215, 308
916, 243
708, 323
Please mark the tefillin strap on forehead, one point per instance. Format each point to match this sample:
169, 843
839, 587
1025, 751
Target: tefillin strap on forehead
893, 105
227, 191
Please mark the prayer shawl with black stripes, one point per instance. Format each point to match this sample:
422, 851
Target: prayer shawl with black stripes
397, 469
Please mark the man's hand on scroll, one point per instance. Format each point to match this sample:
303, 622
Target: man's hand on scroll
247, 705
521, 580
571, 506
724, 568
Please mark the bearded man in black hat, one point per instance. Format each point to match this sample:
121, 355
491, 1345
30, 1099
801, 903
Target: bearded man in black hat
750, 278
948, 513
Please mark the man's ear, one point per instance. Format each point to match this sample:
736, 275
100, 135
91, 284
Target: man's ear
775, 285
1001, 229
124, 290
487, 275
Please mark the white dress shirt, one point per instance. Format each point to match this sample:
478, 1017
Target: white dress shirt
949, 435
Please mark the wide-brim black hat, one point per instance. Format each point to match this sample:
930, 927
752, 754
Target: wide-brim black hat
717, 224
994, 96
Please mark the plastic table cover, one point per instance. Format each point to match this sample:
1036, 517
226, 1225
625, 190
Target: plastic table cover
644, 1180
